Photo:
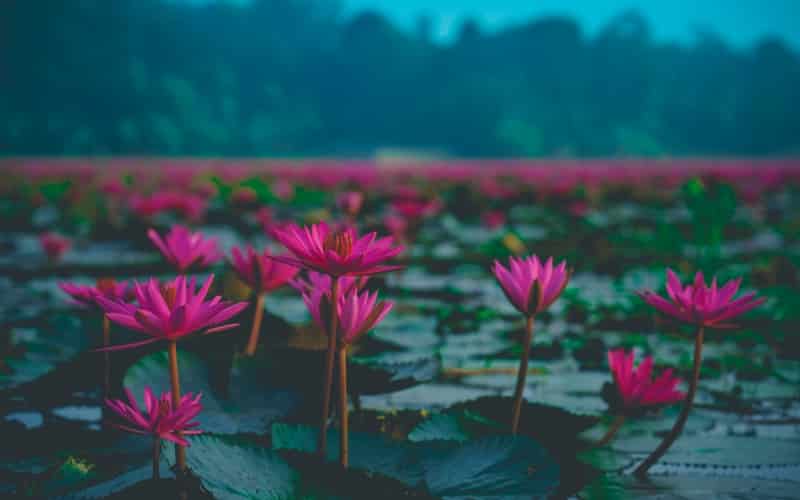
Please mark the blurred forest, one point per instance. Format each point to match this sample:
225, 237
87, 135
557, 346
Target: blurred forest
295, 77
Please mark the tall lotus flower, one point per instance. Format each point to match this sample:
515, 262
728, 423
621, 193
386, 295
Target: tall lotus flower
337, 254
184, 249
704, 307
635, 391
531, 287
162, 419
170, 312
54, 245
86, 296
262, 274
341, 253
358, 313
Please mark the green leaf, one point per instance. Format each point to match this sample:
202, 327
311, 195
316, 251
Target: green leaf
234, 469
249, 406
369, 452
493, 467
442, 427
490, 467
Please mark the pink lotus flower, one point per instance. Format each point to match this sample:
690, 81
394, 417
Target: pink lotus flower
171, 311
416, 208
493, 219
358, 312
85, 295
160, 419
190, 206
54, 245
322, 282
259, 271
265, 218
701, 305
634, 387
396, 225
350, 202
317, 248
529, 285
183, 249
244, 196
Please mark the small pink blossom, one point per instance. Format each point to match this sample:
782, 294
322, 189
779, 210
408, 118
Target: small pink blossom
86, 295
319, 281
54, 245
493, 219
184, 249
259, 271
634, 387
160, 419
350, 202
702, 305
529, 285
357, 312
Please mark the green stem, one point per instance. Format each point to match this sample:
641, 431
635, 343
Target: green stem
684, 415
180, 451
522, 373
327, 381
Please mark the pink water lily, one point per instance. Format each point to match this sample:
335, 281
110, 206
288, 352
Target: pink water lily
704, 307
259, 271
322, 282
358, 312
342, 253
635, 386
529, 285
350, 202
86, 295
700, 304
54, 245
160, 418
171, 311
184, 249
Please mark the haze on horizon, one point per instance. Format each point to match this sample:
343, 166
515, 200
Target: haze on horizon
743, 23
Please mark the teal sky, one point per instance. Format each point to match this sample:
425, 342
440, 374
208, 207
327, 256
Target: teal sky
740, 22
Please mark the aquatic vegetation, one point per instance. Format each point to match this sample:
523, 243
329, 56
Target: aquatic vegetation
422, 350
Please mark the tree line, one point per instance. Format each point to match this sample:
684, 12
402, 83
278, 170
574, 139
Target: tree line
296, 77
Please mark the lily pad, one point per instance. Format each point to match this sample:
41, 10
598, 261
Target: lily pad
249, 405
34, 352
234, 469
492, 467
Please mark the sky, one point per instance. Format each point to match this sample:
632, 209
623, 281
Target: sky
740, 22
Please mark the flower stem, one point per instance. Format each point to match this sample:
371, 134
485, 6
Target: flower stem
258, 315
106, 356
522, 373
180, 451
328, 375
156, 457
687, 406
616, 425
344, 442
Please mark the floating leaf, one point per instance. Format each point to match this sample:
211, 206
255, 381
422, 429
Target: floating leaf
250, 405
